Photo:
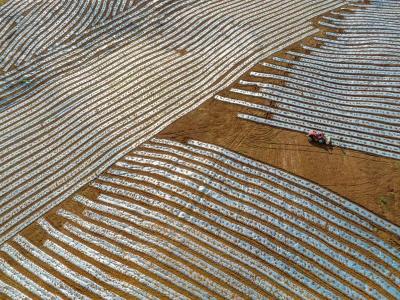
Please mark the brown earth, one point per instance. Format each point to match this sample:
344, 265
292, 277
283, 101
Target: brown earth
373, 182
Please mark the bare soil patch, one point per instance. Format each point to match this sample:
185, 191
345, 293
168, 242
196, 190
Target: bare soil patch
373, 182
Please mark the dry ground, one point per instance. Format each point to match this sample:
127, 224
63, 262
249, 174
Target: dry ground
373, 182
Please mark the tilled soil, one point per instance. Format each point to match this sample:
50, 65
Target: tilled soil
365, 179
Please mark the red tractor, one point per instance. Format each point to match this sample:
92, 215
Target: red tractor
318, 137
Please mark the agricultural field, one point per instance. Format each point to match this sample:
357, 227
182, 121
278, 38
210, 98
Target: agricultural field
158, 149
